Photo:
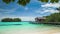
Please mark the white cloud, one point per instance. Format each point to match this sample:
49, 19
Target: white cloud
48, 10
52, 11
51, 5
28, 18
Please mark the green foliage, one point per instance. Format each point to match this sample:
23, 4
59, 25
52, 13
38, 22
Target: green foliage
58, 9
20, 2
6, 20
53, 18
16, 20
8, 1
13, 0
23, 2
52, 1
43, 0
11, 20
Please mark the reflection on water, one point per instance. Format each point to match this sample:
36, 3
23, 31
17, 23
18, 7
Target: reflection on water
26, 28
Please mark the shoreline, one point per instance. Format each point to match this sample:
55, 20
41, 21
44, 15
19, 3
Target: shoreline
52, 23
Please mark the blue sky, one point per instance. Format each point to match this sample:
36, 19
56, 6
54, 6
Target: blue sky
33, 9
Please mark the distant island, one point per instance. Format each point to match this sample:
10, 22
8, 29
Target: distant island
11, 20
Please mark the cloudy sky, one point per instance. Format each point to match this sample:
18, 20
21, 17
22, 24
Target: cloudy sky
33, 9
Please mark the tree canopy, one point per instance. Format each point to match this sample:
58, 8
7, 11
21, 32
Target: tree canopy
52, 1
58, 9
53, 18
25, 2
11, 20
20, 2
8, 1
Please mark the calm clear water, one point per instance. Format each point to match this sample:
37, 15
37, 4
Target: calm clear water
24, 28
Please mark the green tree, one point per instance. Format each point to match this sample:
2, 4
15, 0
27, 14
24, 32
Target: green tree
58, 9
16, 20
7, 20
25, 2
52, 1
53, 18
20, 2
43, 0
8, 1
11, 20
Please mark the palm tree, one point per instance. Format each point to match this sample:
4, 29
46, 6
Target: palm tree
52, 1
25, 2
8, 1
58, 9
20, 2
43, 0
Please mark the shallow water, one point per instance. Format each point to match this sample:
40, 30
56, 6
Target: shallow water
27, 28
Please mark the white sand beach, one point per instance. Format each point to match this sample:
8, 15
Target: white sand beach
31, 31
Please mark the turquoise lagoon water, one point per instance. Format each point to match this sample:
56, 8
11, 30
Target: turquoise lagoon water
24, 27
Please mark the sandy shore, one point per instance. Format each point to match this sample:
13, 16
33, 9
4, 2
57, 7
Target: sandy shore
31, 31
